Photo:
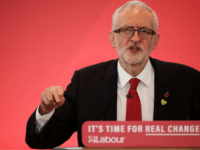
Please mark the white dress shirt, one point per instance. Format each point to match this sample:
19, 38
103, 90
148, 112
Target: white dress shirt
145, 91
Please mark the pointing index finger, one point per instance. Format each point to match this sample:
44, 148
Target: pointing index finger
60, 91
54, 91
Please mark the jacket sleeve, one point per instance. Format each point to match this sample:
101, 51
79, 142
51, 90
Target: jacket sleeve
62, 124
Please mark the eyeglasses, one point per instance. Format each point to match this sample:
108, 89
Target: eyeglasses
129, 32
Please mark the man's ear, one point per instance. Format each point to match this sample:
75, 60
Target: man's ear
112, 39
156, 40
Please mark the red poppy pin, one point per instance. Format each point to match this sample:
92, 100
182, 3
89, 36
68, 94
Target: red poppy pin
166, 94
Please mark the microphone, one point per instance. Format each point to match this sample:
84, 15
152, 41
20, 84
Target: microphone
129, 95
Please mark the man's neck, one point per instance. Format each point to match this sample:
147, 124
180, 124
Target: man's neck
133, 69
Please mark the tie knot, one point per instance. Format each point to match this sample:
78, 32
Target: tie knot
134, 83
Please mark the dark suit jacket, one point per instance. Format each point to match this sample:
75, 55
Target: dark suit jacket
92, 95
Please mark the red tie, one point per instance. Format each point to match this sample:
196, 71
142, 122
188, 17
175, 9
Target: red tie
133, 107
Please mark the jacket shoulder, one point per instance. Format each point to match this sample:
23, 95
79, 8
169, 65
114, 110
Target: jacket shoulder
98, 68
171, 67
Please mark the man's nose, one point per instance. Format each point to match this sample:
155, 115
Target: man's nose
135, 37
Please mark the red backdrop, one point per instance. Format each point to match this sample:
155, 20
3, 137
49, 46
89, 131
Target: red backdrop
42, 43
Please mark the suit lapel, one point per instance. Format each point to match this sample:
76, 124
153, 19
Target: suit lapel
108, 90
162, 100
162, 95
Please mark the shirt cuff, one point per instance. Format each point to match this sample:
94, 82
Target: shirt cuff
42, 119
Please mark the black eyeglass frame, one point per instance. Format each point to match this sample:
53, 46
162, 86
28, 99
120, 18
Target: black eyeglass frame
118, 31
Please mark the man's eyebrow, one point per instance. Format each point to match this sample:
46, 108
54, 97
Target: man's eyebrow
127, 27
142, 27
133, 27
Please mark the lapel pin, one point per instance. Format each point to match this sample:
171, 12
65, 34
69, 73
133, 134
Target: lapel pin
163, 102
166, 94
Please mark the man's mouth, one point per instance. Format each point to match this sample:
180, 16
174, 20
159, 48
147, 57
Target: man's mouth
134, 48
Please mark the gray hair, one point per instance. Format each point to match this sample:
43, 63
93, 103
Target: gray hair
130, 5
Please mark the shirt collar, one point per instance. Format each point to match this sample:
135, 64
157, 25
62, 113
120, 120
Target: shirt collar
144, 76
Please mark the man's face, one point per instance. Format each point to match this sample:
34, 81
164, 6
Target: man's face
134, 50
